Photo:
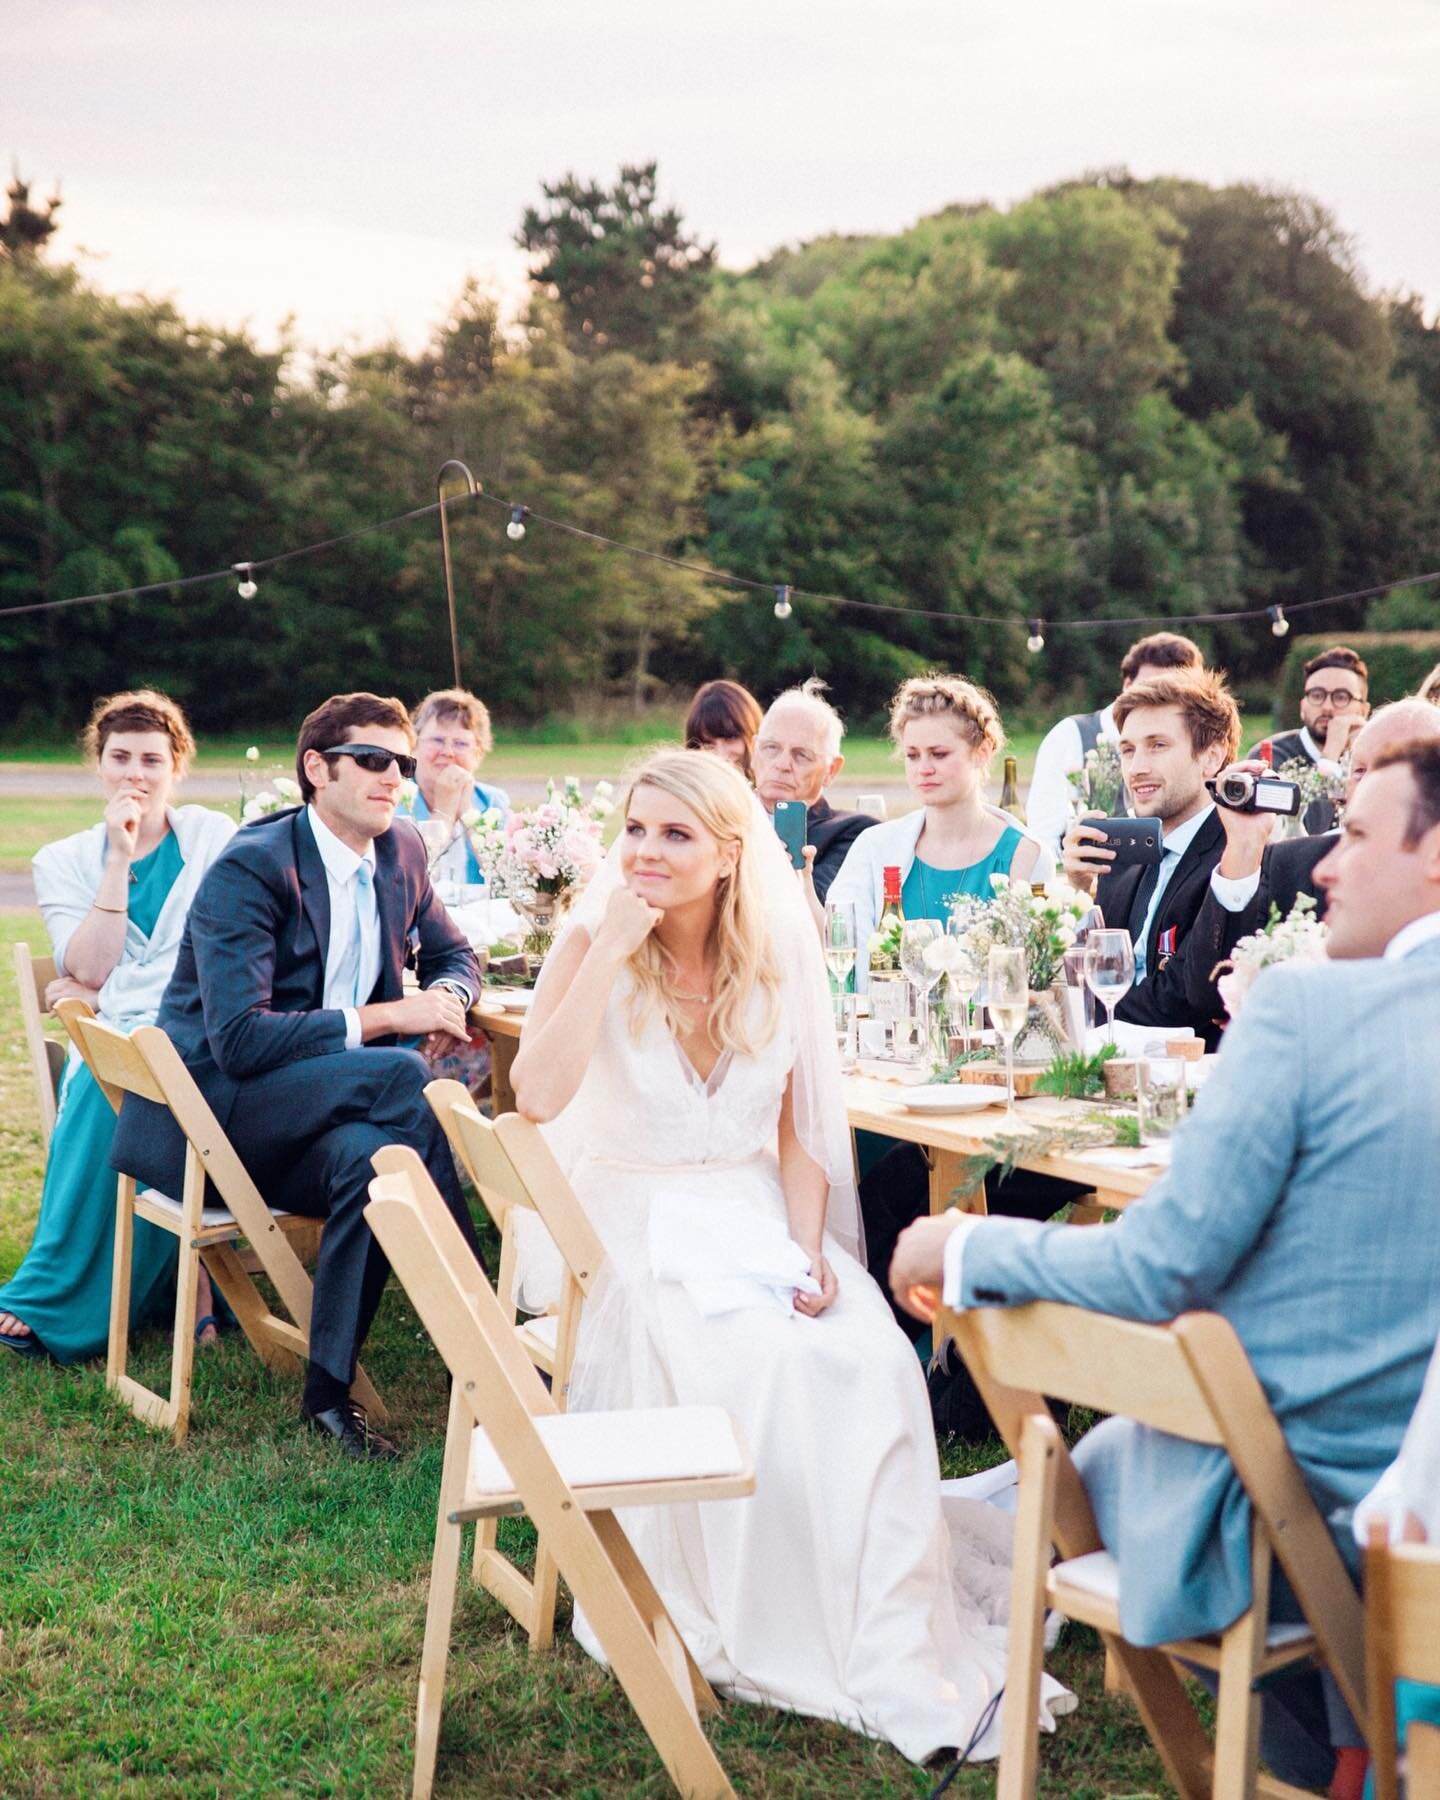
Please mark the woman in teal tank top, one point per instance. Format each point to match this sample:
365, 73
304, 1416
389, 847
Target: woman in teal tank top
103, 894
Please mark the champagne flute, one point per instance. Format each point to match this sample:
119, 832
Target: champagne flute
922, 969
963, 974
1109, 969
1007, 994
839, 942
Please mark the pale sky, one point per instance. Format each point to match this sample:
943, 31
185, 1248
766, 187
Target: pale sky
351, 161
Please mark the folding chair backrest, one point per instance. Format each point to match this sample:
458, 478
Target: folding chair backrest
112, 1057
33, 974
1402, 1597
447, 1287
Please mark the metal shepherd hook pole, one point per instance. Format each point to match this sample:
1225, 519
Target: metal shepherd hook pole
472, 487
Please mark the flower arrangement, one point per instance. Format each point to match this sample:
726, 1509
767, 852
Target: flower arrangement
1098, 783
1312, 781
283, 791
545, 850
1043, 925
1298, 937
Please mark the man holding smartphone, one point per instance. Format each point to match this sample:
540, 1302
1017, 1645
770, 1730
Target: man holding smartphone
1178, 730
796, 757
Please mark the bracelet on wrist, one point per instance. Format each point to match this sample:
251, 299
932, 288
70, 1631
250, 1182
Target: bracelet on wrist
97, 907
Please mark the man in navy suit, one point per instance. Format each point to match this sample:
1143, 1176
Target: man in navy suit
1178, 730
287, 1006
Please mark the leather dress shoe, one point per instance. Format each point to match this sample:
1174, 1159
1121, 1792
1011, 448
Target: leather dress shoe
349, 1427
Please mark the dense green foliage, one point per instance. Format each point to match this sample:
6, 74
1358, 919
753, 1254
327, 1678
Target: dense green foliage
1117, 399
1398, 662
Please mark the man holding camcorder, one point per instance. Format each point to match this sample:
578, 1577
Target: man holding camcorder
1151, 874
1254, 873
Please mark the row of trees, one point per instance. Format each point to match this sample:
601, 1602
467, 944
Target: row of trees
1118, 398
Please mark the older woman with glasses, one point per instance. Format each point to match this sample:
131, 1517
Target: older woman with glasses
453, 737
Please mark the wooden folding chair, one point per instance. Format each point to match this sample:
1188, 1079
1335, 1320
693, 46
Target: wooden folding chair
487, 1152
33, 974
146, 1063
514, 1173
509, 1449
1193, 1380
1402, 1642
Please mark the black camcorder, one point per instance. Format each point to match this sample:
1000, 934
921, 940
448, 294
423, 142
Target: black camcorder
1243, 792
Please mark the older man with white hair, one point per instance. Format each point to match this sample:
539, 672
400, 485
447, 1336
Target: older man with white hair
796, 757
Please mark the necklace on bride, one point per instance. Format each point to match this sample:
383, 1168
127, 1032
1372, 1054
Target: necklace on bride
697, 999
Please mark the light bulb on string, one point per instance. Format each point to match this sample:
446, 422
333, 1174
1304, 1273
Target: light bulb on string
1279, 624
1035, 643
246, 588
783, 608
515, 530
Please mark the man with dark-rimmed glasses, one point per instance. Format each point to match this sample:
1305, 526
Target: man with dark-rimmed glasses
287, 1007
1334, 704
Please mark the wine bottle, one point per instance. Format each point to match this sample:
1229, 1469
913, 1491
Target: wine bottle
1010, 791
885, 949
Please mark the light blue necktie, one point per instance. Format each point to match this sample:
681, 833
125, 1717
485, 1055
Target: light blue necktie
347, 976
363, 886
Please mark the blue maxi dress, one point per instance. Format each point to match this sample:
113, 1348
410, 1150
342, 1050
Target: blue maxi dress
62, 1288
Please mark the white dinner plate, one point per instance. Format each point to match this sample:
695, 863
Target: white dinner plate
972, 1096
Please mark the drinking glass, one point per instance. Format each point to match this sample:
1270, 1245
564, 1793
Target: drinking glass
874, 804
923, 971
840, 959
1007, 994
1109, 969
435, 834
963, 975
1163, 1081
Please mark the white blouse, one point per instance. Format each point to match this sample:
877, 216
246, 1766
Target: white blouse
67, 879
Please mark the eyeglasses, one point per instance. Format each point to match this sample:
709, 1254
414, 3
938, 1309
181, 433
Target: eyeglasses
374, 760
461, 746
1339, 698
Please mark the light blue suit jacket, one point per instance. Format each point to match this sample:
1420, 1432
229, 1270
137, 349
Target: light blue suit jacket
1302, 1203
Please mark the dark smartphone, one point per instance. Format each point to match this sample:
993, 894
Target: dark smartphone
1132, 840
790, 824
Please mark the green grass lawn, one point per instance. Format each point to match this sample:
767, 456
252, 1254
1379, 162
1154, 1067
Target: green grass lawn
244, 1615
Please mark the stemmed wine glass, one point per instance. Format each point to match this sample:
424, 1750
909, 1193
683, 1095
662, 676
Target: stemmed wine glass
962, 971
1007, 994
840, 953
1109, 969
922, 969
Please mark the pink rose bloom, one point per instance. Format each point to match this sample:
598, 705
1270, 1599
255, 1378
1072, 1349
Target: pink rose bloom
1234, 986
580, 848
546, 868
548, 814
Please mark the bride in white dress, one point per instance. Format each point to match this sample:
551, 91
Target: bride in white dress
681, 1044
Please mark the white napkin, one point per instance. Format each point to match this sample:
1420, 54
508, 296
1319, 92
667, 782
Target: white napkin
1134, 1040
725, 1259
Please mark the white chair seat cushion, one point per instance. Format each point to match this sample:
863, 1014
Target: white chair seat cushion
1098, 1573
210, 1216
608, 1449
544, 1328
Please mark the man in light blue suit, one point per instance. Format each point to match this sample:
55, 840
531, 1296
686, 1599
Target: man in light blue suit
1301, 1203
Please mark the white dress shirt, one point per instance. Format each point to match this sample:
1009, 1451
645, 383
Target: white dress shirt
1409, 937
1048, 803
1173, 845
353, 908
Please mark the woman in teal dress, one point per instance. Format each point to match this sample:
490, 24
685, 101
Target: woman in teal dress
114, 900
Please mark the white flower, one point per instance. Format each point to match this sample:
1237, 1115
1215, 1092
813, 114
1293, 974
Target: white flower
604, 789
286, 788
254, 809
945, 954
253, 753
408, 791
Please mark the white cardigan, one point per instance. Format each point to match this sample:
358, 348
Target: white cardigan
889, 845
67, 879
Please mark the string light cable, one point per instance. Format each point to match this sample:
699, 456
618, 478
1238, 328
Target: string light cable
782, 594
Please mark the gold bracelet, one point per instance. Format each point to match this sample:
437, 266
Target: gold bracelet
97, 907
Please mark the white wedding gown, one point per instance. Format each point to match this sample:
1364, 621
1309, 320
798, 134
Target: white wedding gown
836, 1589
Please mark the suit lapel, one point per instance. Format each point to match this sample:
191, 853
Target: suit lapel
314, 886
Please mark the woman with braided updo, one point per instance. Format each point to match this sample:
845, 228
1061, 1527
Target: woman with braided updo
948, 731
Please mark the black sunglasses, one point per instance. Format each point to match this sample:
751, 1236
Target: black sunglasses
373, 759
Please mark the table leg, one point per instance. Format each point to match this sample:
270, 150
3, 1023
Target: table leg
947, 1189
502, 1056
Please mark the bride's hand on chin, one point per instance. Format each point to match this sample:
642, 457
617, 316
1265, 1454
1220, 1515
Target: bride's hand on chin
628, 921
812, 1305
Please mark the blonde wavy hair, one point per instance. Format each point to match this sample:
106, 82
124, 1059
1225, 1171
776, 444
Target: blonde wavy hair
745, 960
969, 708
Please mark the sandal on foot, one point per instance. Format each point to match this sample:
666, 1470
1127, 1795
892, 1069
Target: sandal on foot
28, 1346
202, 1324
